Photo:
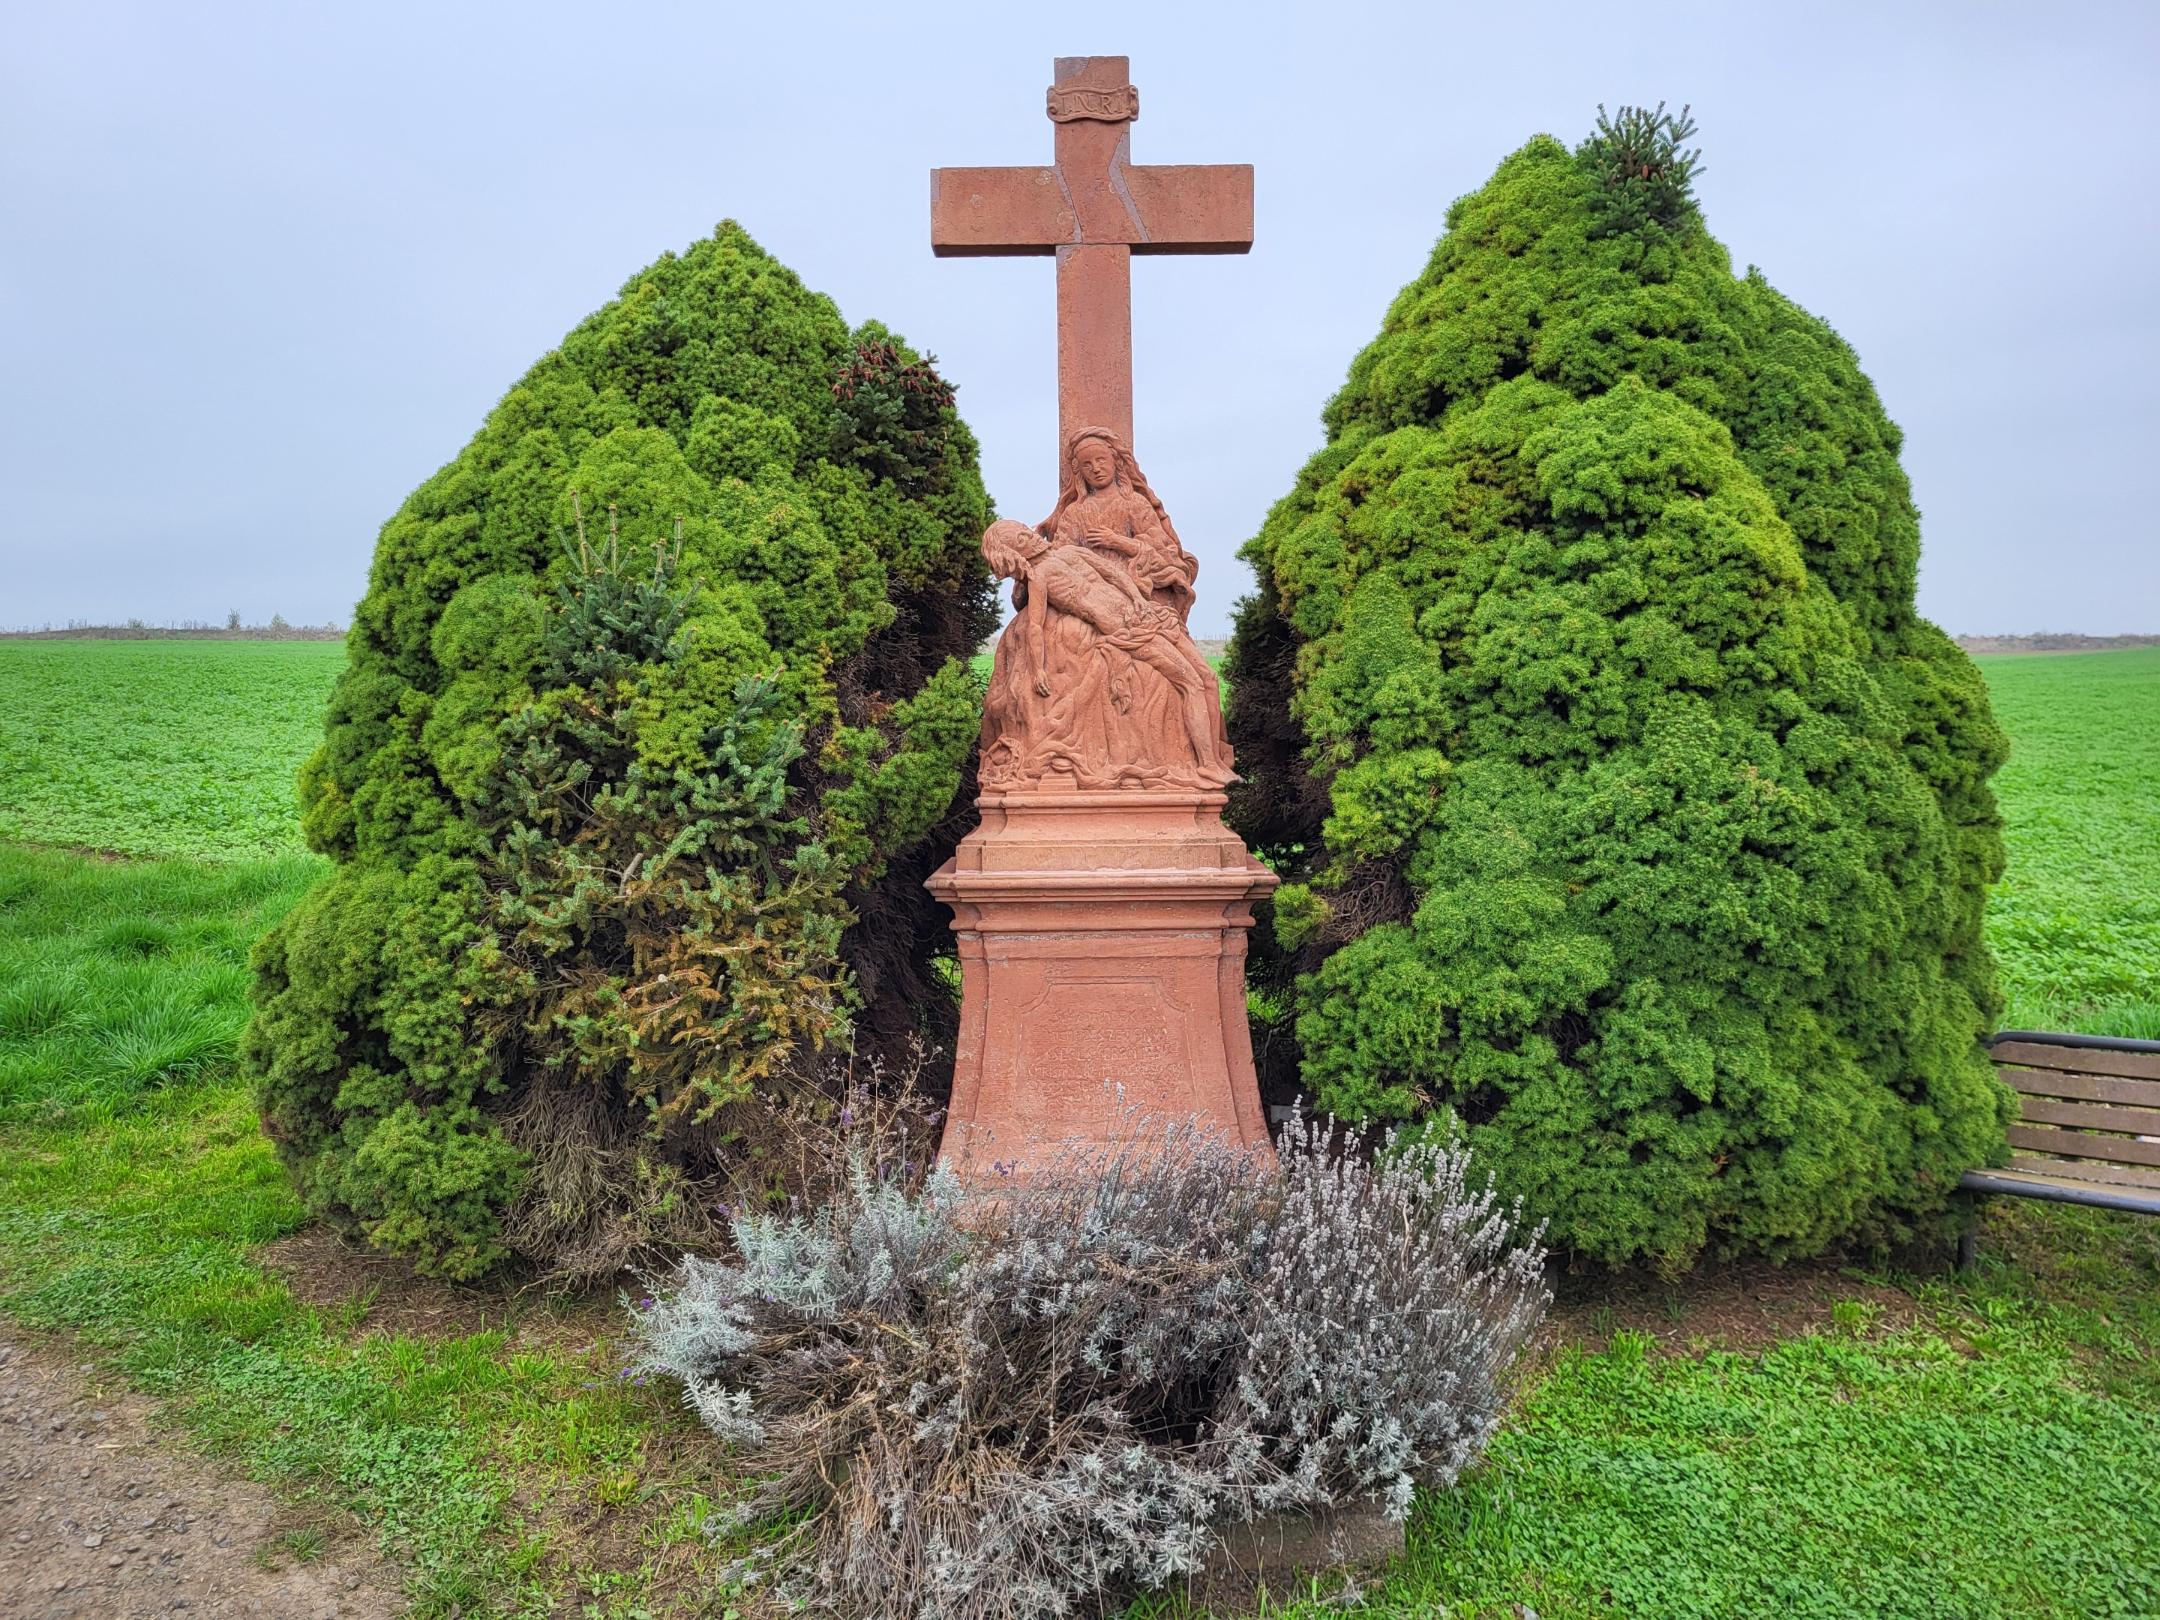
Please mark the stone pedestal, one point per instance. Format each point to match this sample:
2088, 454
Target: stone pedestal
1102, 958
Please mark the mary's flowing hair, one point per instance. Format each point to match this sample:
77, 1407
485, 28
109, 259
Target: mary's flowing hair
1128, 470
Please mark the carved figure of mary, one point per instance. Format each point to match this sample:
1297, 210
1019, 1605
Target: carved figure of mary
1104, 502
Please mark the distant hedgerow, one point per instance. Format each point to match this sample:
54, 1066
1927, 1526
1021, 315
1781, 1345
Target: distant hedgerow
625, 831
1634, 824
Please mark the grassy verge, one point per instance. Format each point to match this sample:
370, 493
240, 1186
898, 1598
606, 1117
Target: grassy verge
1999, 1457
507, 1466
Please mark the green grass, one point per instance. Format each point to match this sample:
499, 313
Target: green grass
135, 1196
1998, 1456
159, 747
2000, 1459
2075, 921
118, 978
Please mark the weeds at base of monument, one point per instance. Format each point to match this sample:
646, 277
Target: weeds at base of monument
959, 1410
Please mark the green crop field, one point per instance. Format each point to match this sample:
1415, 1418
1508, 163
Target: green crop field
159, 747
2075, 921
189, 749
1918, 1444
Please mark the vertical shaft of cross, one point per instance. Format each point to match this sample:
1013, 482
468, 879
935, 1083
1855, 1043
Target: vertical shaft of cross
1094, 339
1094, 274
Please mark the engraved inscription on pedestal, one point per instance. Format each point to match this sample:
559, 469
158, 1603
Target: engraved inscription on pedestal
1092, 1036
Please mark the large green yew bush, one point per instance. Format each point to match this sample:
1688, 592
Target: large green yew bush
1633, 823
658, 711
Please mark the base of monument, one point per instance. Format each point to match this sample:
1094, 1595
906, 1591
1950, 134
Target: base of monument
1102, 961
1281, 1552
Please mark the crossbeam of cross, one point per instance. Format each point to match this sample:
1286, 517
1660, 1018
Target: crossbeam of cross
1094, 209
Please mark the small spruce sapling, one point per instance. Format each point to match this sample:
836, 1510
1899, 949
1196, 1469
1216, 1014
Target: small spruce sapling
1645, 171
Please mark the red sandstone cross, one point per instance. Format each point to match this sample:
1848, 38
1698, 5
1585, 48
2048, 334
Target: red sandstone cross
1094, 210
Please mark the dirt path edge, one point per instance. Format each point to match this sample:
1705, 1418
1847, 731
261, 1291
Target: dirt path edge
101, 1515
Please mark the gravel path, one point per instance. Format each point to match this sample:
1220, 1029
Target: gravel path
101, 1517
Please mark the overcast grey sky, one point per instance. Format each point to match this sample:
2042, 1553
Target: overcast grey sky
263, 268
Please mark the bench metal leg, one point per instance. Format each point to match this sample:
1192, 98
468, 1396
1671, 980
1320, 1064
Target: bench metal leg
1968, 1242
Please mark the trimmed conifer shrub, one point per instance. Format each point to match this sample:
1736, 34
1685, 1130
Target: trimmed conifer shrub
658, 711
1635, 826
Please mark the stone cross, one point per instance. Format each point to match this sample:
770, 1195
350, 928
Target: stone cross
1094, 209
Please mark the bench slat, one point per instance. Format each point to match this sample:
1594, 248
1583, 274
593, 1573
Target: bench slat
2087, 1087
2091, 1116
2077, 1145
2114, 1175
2079, 1059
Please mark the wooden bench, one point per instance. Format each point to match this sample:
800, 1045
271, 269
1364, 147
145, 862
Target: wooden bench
2088, 1130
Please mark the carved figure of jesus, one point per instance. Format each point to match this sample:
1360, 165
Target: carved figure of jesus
1074, 580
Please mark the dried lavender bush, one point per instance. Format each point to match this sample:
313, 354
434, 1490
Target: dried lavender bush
972, 1409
